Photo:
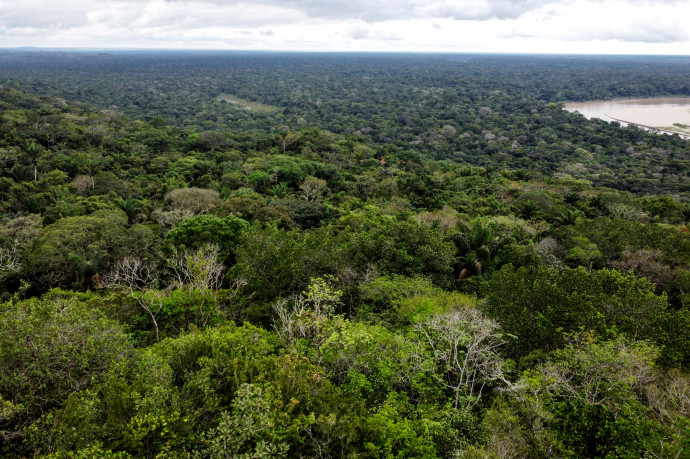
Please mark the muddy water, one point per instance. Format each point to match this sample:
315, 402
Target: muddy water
665, 114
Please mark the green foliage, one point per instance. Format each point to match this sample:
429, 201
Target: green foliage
367, 361
388, 432
256, 427
322, 296
348, 209
589, 399
94, 451
478, 247
569, 217
73, 247
613, 236
51, 347
532, 203
592, 390
152, 401
396, 246
666, 209
423, 306
538, 305
197, 231
135, 209
584, 252
382, 295
276, 263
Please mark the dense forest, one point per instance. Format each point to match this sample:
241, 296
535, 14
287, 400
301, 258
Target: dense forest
211, 255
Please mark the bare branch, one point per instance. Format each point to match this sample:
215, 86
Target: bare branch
137, 278
131, 274
466, 343
198, 269
10, 259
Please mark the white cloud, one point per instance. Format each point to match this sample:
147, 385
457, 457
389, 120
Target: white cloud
626, 21
384, 10
637, 26
40, 14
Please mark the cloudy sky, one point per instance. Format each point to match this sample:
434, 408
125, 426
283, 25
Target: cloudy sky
523, 26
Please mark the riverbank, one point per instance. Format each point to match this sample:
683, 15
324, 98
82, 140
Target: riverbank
669, 115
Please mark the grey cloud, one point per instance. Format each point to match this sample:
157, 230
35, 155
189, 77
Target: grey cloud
374, 11
359, 33
73, 13
51, 15
259, 13
382, 10
633, 33
489, 9
646, 33
147, 18
368, 11
365, 33
181, 15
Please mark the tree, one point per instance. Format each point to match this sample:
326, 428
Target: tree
134, 275
306, 313
16, 236
313, 188
393, 245
278, 263
198, 269
34, 152
588, 395
196, 276
391, 430
103, 233
381, 297
584, 252
539, 305
135, 209
87, 266
10, 260
196, 200
257, 426
51, 347
210, 140
466, 345
202, 230
477, 246
568, 217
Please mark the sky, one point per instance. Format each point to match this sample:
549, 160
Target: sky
499, 26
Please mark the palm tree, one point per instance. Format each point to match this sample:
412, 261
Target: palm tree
521, 175
527, 209
685, 212
568, 218
92, 163
86, 266
134, 208
34, 151
20, 173
477, 247
570, 197
61, 203
279, 190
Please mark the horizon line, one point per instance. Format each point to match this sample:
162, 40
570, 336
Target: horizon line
307, 51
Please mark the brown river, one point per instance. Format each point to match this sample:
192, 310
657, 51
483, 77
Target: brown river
664, 114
